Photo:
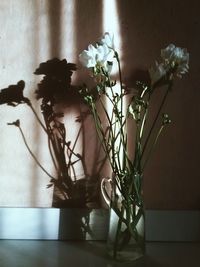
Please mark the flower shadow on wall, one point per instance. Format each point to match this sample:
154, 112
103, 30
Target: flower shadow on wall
54, 89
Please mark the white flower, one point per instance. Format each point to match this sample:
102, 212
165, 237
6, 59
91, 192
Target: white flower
174, 60
104, 54
177, 58
88, 57
108, 39
100, 55
157, 72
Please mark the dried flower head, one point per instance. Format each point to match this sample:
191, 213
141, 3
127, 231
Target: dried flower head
157, 72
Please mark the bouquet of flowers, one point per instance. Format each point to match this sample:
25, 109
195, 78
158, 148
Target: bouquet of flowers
126, 198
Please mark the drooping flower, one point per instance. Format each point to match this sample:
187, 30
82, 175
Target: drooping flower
176, 58
157, 72
108, 39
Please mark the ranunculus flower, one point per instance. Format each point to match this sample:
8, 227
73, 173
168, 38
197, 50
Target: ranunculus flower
108, 40
177, 58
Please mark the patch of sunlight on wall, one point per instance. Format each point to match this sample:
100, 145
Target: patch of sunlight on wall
68, 26
42, 31
111, 25
24, 44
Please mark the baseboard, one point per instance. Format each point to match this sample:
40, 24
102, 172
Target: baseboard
173, 225
53, 224
81, 224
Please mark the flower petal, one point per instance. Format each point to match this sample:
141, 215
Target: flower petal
108, 39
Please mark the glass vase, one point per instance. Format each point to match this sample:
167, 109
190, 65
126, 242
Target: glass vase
126, 235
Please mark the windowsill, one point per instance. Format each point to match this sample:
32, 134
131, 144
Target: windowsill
93, 253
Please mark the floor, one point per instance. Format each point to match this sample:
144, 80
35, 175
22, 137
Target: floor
29, 253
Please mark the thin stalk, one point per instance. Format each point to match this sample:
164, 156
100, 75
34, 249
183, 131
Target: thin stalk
120, 79
100, 132
119, 225
32, 154
61, 160
121, 98
156, 118
145, 114
119, 113
49, 131
126, 156
112, 138
153, 146
109, 120
37, 117
52, 139
143, 123
51, 154
137, 154
119, 186
144, 91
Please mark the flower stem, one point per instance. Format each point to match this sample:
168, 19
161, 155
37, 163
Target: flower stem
116, 242
121, 102
156, 118
145, 113
32, 154
38, 119
153, 146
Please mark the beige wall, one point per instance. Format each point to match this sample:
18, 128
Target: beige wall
33, 31
172, 179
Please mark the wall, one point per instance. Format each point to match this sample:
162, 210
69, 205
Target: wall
35, 31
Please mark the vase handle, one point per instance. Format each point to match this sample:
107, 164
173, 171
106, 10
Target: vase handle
104, 190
